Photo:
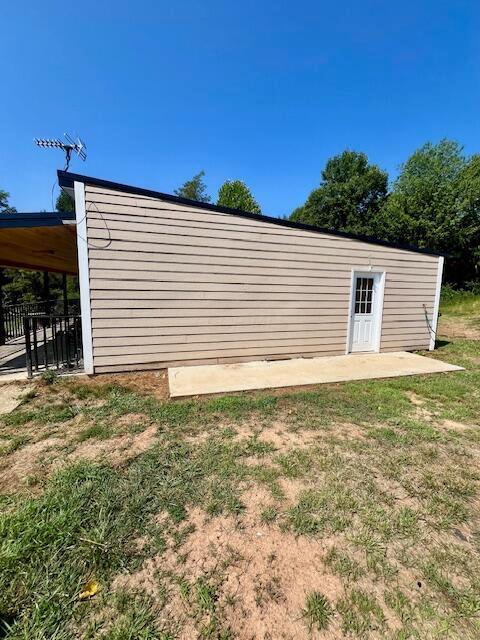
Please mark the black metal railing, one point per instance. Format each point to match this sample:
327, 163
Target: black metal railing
13, 314
53, 342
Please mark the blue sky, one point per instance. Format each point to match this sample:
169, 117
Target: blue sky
261, 91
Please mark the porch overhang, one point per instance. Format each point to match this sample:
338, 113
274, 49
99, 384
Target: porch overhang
40, 241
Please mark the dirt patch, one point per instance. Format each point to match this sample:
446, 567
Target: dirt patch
116, 450
455, 426
26, 463
263, 574
414, 399
33, 462
458, 328
276, 434
130, 419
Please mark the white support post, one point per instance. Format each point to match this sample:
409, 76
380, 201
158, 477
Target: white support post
436, 304
83, 276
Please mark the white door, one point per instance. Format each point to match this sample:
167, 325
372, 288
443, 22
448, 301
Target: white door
364, 323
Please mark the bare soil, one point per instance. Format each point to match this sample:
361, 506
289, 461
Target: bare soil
264, 574
458, 328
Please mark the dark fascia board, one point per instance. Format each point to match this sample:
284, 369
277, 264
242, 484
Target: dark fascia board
21, 220
66, 180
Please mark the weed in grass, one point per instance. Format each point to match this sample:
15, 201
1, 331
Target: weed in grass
343, 565
317, 611
269, 514
132, 618
295, 463
375, 554
326, 510
405, 523
49, 376
400, 604
268, 476
267, 591
206, 600
13, 444
86, 391
97, 431
253, 446
206, 595
360, 613
136, 427
43, 415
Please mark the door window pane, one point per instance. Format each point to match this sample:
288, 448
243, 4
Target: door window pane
363, 295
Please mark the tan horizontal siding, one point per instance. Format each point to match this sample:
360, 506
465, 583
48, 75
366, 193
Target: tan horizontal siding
127, 250
166, 263
156, 364
176, 284
207, 275
186, 256
187, 324
156, 241
220, 329
260, 353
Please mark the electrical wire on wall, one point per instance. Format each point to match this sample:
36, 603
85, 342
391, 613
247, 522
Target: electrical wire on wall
108, 241
433, 333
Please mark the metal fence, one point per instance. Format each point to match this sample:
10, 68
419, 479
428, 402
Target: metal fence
14, 314
53, 342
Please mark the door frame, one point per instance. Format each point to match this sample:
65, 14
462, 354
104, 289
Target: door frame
378, 303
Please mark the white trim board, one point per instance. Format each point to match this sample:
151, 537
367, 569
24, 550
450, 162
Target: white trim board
83, 276
436, 304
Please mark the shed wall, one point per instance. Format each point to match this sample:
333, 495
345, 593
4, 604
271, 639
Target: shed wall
174, 284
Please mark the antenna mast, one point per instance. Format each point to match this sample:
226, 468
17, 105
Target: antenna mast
77, 146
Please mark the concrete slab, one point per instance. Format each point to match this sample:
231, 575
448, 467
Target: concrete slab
199, 380
11, 396
15, 375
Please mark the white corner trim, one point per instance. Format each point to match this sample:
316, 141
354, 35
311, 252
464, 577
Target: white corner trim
83, 276
350, 312
379, 311
436, 304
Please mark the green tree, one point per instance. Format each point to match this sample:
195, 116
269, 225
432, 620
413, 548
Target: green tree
435, 204
4, 204
65, 203
194, 189
236, 195
349, 197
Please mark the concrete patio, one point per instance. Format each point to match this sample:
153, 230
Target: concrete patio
223, 378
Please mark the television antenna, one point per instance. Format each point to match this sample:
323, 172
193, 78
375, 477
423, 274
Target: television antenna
77, 146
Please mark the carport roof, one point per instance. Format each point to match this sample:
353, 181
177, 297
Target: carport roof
43, 241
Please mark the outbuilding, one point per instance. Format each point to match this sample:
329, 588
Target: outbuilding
166, 281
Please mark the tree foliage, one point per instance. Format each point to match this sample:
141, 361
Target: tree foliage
435, 204
194, 189
236, 194
349, 197
65, 203
5, 207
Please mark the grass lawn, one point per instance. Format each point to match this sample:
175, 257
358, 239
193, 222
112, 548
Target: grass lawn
344, 511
